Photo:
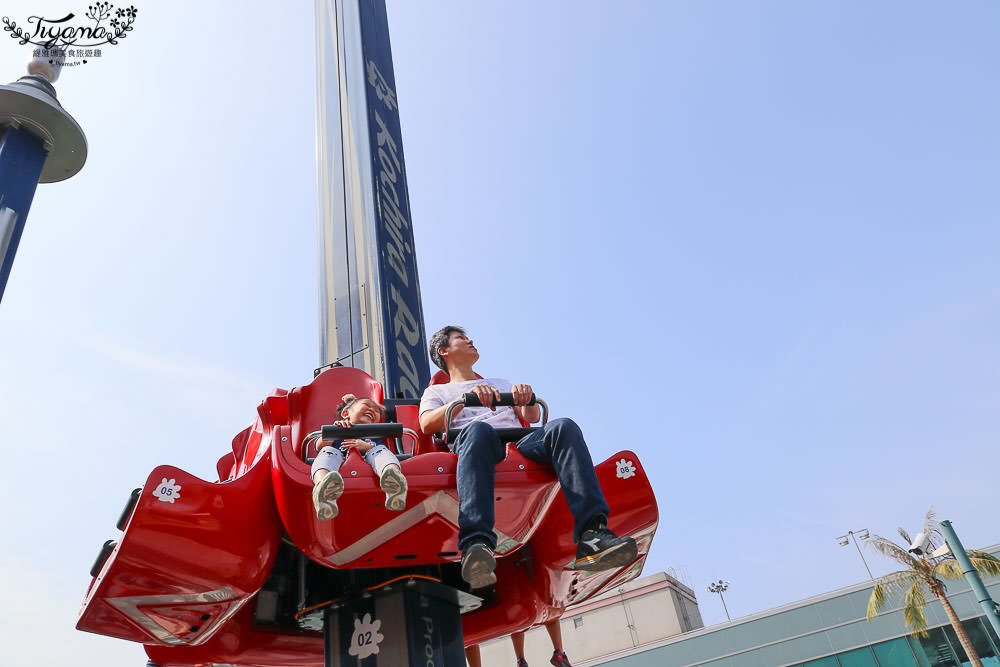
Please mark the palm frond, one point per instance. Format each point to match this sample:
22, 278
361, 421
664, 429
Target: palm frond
890, 549
905, 535
985, 562
932, 529
877, 600
948, 569
913, 609
931, 522
889, 587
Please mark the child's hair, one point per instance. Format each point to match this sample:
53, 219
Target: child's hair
350, 399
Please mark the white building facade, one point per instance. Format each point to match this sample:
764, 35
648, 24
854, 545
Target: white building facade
640, 612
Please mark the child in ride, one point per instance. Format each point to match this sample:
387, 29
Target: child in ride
327, 482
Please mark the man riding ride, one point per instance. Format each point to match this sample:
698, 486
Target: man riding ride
479, 448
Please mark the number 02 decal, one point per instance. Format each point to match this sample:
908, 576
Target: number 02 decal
366, 637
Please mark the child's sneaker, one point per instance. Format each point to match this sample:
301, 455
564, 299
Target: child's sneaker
394, 485
559, 659
325, 494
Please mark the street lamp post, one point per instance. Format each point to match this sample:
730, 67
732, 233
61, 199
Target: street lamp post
720, 587
39, 143
853, 535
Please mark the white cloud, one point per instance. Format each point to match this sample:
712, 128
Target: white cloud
173, 368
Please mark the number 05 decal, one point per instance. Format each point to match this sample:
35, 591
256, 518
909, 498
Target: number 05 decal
167, 491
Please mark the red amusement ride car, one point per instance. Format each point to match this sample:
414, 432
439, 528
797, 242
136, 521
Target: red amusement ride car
234, 571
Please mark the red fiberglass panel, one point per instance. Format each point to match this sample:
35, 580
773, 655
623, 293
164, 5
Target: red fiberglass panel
365, 534
534, 585
192, 554
552, 584
633, 512
242, 642
530, 590
180, 580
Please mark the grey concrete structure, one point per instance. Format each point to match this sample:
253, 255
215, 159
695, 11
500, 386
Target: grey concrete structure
634, 615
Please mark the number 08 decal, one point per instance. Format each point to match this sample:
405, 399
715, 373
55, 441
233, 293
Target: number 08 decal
625, 469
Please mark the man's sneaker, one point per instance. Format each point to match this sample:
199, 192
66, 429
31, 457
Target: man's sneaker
521, 662
559, 659
394, 485
600, 549
478, 564
325, 494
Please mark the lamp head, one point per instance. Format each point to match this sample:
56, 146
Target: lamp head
719, 586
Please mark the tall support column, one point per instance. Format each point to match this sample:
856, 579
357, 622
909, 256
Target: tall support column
39, 143
370, 311
21, 158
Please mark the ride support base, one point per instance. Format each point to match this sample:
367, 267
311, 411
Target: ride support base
413, 623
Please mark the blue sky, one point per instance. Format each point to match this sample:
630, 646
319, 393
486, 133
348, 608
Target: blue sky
752, 242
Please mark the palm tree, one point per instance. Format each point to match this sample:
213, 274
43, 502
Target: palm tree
924, 572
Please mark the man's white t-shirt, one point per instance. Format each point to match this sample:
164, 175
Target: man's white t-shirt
437, 395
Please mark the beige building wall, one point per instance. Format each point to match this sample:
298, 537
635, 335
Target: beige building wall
641, 611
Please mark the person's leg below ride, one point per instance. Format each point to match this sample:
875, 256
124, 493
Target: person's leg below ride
517, 639
558, 658
472, 656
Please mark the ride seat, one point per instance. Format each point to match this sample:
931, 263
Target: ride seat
407, 415
314, 405
427, 439
227, 464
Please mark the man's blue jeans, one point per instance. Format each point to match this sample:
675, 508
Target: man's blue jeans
560, 442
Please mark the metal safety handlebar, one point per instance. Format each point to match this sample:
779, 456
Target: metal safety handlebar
360, 431
470, 400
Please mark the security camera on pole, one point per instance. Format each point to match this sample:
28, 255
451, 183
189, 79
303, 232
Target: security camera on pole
39, 143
